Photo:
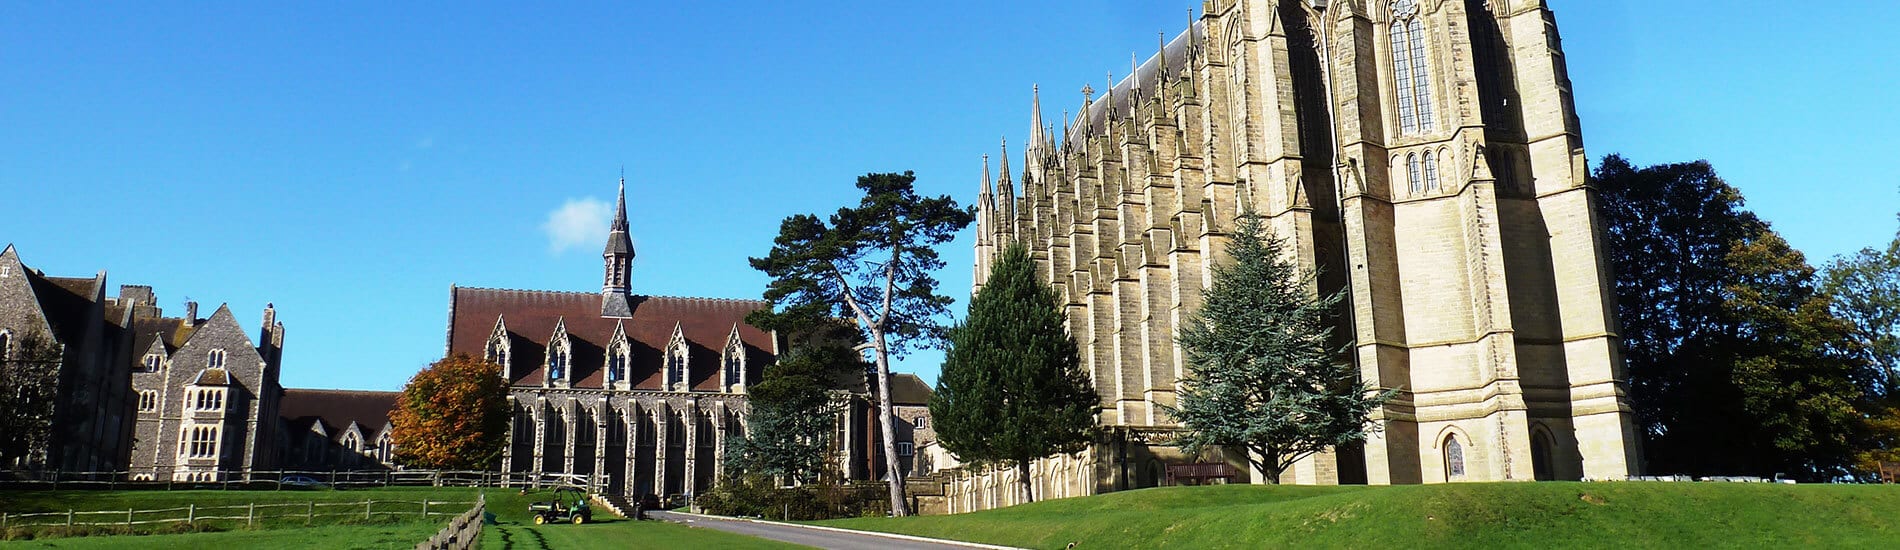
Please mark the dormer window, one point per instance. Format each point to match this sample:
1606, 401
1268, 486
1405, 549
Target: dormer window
560, 355
557, 363
152, 362
616, 364
676, 360
215, 359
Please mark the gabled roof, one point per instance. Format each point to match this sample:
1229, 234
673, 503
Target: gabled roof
908, 389
334, 410
705, 323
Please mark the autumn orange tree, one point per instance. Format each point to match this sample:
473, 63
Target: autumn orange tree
452, 415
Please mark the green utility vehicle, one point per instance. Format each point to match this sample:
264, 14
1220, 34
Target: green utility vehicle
568, 505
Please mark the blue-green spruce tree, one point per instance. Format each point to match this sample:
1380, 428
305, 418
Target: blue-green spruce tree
1264, 373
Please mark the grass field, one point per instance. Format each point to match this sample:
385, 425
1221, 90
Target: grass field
514, 530
1515, 515
278, 526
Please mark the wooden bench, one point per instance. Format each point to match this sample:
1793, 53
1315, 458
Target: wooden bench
1200, 473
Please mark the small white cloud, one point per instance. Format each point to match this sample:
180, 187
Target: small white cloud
577, 223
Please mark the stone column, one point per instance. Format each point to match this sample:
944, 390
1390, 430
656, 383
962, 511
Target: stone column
719, 446
567, 442
659, 414
692, 447
540, 435
632, 421
600, 439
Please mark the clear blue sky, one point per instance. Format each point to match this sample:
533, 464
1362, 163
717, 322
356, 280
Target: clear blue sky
348, 161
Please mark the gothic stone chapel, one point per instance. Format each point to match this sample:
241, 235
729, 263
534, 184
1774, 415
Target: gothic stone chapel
1423, 155
643, 390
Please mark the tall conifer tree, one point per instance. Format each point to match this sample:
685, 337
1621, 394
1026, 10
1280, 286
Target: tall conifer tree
1012, 388
1263, 373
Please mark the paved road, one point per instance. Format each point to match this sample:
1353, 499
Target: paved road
820, 538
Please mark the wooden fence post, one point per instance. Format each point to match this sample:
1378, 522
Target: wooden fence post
191, 513
366, 505
128, 519
250, 516
69, 517
311, 514
425, 509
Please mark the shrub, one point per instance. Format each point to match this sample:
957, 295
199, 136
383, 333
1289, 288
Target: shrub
758, 496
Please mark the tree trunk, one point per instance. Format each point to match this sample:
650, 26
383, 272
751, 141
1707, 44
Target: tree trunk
1022, 473
900, 506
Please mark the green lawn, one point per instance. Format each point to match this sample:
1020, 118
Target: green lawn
277, 526
514, 530
1517, 515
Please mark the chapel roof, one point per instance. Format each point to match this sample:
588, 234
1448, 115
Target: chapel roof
531, 317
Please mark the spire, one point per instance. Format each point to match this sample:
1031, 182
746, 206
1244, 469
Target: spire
619, 262
1037, 137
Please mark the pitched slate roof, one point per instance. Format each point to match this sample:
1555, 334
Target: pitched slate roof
172, 331
908, 389
531, 316
67, 302
336, 409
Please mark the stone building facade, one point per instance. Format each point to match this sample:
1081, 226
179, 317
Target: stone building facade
207, 395
141, 396
1424, 156
84, 390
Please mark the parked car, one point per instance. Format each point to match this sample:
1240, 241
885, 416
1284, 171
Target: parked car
300, 482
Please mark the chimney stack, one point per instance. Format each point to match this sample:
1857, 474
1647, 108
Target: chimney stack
191, 313
270, 320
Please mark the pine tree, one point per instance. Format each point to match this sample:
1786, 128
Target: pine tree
1263, 373
871, 263
1012, 388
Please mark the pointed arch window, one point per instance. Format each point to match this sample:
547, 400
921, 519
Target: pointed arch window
1431, 172
557, 362
1413, 174
497, 353
1411, 71
616, 363
215, 359
152, 362
1454, 459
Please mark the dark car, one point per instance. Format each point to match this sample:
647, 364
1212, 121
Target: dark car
300, 482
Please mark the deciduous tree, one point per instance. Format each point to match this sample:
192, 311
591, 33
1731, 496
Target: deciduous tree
452, 415
871, 263
1262, 372
1012, 388
1736, 363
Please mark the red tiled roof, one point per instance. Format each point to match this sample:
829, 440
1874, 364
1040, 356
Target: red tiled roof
336, 409
531, 317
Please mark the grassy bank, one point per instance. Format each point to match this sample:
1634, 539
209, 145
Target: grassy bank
1519, 515
514, 530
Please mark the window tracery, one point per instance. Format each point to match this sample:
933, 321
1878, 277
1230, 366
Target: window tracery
1411, 69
